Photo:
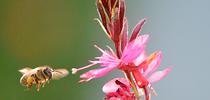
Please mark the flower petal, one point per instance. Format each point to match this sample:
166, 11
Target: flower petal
153, 62
108, 58
134, 48
96, 73
140, 58
158, 75
111, 86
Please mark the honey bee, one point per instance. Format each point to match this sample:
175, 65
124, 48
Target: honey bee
40, 75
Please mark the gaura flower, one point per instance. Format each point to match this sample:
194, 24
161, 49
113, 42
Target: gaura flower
118, 89
133, 62
144, 69
109, 61
129, 56
141, 79
130, 51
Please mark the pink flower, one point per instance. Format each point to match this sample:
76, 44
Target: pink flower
132, 60
147, 67
150, 64
110, 61
118, 89
129, 56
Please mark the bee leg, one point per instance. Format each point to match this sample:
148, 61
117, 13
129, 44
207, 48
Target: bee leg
43, 84
48, 81
38, 85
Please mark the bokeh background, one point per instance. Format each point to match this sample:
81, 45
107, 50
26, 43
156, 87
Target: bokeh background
61, 33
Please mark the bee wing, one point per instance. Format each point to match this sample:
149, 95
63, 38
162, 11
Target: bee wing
59, 73
25, 70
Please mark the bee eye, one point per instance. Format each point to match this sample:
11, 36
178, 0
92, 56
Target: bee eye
48, 72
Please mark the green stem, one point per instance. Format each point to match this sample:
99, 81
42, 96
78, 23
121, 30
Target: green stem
129, 77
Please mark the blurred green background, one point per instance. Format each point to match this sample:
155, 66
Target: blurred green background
61, 33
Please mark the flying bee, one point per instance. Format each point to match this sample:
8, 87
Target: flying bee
40, 75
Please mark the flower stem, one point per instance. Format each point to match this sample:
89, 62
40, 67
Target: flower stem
129, 77
147, 96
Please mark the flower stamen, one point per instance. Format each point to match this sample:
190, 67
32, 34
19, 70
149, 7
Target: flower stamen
75, 70
103, 51
110, 49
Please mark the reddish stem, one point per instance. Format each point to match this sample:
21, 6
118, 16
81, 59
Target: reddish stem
129, 77
147, 97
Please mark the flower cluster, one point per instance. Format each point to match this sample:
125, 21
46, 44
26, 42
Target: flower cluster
129, 56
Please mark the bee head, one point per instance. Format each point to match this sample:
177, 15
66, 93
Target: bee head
48, 72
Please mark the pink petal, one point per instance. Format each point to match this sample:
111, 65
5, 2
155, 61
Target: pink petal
154, 64
137, 29
111, 86
158, 75
106, 61
108, 58
140, 58
134, 49
97, 73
